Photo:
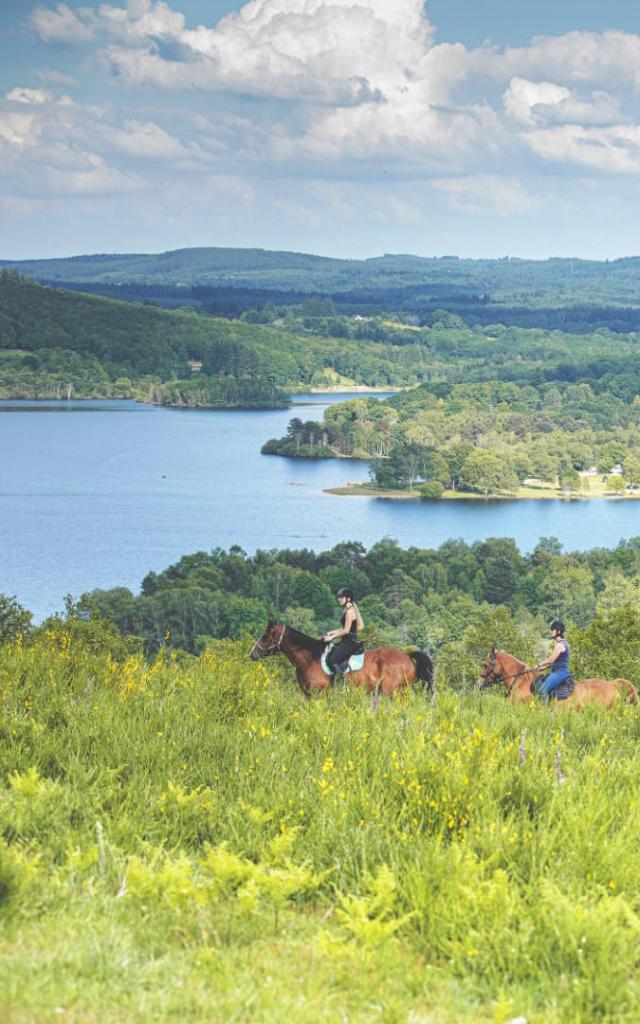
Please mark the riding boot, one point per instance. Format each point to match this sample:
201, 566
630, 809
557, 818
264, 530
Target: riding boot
336, 673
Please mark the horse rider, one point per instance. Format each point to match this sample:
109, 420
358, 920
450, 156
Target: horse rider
558, 660
347, 635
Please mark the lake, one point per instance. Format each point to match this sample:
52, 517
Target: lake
96, 494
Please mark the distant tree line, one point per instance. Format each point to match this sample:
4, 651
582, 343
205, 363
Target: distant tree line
407, 596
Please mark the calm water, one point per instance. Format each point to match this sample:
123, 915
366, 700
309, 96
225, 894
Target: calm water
95, 494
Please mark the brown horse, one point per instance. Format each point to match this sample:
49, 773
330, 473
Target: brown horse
500, 667
384, 669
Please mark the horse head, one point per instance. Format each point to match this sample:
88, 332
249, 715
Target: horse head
270, 642
501, 667
491, 674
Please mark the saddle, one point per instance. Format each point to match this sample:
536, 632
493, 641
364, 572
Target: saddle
561, 692
354, 664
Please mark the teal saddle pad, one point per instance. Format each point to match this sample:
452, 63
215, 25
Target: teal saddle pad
356, 661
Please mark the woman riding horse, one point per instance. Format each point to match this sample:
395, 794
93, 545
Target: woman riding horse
384, 670
338, 657
502, 667
558, 661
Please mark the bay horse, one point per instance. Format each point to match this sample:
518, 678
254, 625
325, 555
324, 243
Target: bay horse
385, 669
501, 667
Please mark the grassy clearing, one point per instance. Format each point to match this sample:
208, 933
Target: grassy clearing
189, 839
539, 490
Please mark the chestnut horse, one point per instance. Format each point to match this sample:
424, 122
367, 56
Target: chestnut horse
500, 667
384, 669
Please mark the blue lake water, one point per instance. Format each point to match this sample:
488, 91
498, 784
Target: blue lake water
95, 494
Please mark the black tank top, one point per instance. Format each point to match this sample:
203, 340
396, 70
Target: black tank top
353, 630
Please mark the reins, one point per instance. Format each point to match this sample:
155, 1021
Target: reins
505, 679
278, 646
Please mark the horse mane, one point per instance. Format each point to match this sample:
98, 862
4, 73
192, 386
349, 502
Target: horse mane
518, 660
308, 643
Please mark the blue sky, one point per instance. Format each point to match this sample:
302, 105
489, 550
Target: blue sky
333, 126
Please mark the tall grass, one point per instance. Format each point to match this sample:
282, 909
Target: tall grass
189, 838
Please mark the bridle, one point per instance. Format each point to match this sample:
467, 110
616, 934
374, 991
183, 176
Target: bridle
274, 647
277, 645
497, 677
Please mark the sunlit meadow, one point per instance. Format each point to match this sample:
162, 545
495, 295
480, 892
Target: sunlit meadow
189, 839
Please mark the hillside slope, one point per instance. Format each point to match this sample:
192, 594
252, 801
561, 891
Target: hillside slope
42, 327
536, 282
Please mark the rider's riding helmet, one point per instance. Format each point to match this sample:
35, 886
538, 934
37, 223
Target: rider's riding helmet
558, 626
346, 592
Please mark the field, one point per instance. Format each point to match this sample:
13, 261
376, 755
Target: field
188, 839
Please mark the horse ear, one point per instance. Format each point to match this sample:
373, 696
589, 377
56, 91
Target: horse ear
493, 649
270, 623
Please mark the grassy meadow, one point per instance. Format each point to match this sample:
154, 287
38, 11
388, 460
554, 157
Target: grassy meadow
188, 839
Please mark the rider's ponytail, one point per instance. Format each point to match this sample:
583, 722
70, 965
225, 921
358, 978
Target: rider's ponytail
359, 619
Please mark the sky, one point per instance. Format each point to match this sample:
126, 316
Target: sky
349, 128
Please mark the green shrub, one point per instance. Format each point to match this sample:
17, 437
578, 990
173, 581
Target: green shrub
431, 490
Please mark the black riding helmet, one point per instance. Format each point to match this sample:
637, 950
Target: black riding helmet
558, 626
346, 592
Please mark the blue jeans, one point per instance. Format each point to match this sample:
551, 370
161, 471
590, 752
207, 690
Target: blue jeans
554, 679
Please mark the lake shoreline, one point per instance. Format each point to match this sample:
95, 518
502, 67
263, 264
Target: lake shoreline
359, 389
369, 491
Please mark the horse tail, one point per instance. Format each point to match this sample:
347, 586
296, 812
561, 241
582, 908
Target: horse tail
424, 669
631, 695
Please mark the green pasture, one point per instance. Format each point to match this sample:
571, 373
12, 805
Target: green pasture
188, 839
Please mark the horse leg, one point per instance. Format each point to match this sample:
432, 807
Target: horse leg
303, 683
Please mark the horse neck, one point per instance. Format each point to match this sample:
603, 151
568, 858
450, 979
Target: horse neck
513, 672
299, 648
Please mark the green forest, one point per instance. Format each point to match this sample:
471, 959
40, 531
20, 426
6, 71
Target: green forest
55, 344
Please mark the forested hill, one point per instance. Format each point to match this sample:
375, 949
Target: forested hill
51, 338
54, 342
135, 337
553, 282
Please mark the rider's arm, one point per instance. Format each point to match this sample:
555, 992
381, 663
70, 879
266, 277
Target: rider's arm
335, 634
556, 652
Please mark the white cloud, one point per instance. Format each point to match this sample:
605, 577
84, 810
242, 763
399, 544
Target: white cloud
61, 25
29, 96
486, 195
608, 150
609, 59
523, 99
93, 177
139, 21
56, 77
18, 130
146, 140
